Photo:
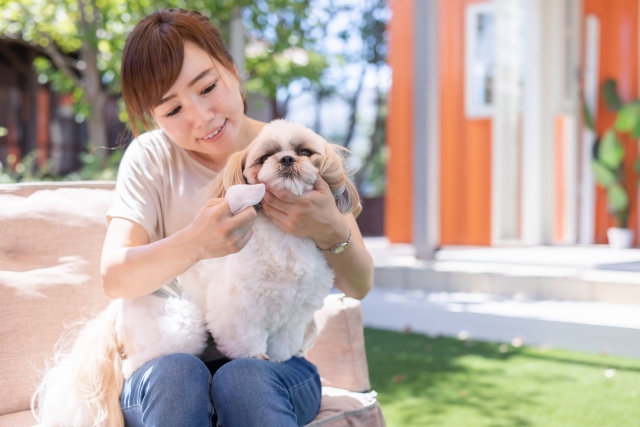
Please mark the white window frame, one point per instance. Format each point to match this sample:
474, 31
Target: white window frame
472, 12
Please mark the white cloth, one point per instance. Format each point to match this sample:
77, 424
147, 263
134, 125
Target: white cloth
241, 197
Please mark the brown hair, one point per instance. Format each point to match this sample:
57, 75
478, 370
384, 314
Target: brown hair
153, 57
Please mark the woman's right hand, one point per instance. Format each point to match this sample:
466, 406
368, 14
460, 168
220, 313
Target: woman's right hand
215, 232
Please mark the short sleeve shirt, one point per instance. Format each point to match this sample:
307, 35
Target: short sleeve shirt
159, 185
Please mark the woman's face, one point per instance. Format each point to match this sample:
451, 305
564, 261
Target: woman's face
203, 111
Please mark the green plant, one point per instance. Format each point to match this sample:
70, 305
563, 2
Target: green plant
92, 169
608, 157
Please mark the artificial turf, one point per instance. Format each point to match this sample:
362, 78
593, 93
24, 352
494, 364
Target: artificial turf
423, 381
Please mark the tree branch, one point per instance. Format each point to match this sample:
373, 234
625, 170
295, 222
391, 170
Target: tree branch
15, 59
353, 105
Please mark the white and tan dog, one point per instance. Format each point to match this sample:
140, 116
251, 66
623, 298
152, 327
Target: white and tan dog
262, 299
259, 301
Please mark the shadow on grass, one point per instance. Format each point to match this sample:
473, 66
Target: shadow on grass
410, 369
425, 381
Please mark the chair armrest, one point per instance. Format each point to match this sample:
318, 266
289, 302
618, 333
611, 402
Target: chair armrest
339, 351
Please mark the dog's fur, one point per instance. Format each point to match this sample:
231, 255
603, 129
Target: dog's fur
259, 302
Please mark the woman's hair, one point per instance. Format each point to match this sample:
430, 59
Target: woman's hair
154, 54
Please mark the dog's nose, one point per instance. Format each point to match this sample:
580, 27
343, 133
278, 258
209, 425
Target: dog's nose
287, 161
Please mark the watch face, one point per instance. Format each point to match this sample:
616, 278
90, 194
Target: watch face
339, 249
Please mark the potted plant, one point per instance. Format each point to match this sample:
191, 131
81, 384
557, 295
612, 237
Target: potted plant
608, 161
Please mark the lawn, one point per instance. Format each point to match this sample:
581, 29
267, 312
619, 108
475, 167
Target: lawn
425, 382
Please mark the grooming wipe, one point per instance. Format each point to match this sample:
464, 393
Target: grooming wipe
241, 197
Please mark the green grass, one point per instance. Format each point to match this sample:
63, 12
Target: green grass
424, 381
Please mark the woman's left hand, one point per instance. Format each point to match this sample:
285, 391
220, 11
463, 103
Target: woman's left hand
313, 214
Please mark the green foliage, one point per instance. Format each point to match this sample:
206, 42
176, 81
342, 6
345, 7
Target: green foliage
608, 162
441, 381
59, 28
604, 176
610, 95
92, 169
610, 152
628, 118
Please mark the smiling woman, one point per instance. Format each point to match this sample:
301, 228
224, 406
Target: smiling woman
178, 77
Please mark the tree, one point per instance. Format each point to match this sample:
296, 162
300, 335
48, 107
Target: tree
81, 43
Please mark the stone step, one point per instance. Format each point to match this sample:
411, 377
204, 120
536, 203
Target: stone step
524, 282
579, 273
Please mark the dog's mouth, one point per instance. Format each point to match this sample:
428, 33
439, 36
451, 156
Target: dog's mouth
290, 172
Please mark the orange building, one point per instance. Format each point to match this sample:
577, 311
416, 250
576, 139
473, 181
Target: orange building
485, 128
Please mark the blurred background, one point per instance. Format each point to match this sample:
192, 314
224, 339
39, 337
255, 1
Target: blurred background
494, 142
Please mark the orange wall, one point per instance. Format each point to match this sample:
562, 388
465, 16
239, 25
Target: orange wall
398, 197
465, 167
618, 60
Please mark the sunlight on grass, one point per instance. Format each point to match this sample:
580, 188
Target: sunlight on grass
425, 381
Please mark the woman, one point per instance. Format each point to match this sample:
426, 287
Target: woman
177, 74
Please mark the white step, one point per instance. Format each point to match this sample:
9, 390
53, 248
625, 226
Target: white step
581, 273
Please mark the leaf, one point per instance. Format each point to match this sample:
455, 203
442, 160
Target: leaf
588, 117
610, 95
610, 151
618, 200
628, 117
604, 176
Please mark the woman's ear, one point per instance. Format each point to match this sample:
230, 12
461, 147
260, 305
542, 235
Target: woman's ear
333, 170
230, 175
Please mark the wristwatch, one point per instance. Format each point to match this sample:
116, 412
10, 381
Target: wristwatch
338, 247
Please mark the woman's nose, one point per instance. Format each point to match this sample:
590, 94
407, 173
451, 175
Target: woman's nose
201, 113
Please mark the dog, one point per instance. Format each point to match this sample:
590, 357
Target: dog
261, 300
258, 302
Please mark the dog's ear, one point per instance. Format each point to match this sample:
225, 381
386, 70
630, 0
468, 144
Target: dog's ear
230, 175
334, 171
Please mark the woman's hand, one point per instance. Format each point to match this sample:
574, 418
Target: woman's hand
313, 214
215, 232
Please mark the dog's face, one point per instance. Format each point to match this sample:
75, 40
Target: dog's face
289, 156
286, 156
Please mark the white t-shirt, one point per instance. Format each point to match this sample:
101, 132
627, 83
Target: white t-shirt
159, 187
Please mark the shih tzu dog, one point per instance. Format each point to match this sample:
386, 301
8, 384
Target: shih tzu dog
258, 302
261, 300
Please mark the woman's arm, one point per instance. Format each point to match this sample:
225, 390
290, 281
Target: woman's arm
315, 214
132, 267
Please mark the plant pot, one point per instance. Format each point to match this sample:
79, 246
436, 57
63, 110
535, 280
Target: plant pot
620, 238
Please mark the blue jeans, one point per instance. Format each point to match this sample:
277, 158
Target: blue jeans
178, 390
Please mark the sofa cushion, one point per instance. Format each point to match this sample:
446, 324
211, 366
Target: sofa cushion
18, 419
342, 408
49, 275
50, 246
339, 351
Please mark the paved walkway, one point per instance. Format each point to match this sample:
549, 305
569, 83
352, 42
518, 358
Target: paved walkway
580, 298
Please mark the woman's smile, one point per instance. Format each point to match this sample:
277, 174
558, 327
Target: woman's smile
216, 134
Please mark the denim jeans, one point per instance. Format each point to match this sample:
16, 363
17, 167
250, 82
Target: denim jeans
178, 390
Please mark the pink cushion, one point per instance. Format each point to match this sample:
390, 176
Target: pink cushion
52, 238
339, 351
49, 275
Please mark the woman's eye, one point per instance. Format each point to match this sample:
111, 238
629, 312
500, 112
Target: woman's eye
208, 88
305, 153
174, 112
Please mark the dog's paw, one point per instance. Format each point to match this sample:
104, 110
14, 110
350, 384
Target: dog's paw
261, 357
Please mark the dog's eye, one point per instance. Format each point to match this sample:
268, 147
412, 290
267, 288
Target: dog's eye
305, 153
264, 158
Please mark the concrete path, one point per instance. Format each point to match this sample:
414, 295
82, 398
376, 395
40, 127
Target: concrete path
578, 298
584, 326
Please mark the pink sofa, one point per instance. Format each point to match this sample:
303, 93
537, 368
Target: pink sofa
51, 237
